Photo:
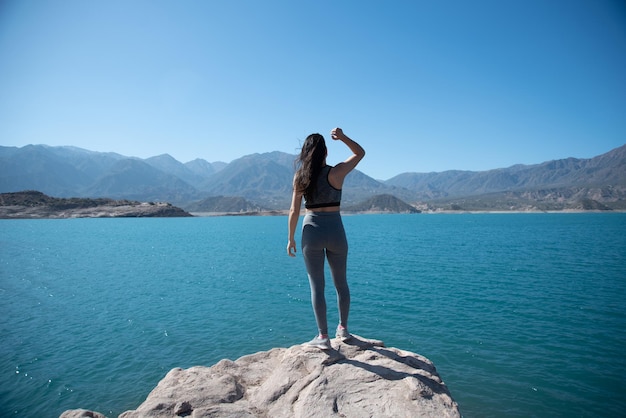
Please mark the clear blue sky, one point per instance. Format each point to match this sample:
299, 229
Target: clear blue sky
422, 85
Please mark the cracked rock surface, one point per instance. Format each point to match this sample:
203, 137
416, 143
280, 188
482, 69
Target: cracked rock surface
356, 378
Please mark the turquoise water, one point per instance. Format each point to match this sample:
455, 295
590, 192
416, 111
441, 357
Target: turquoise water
523, 314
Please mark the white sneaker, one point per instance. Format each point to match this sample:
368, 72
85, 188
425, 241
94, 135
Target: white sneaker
342, 333
319, 342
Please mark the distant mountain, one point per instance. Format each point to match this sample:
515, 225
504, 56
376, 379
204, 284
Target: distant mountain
606, 169
168, 164
262, 178
90, 163
136, 179
203, 168
265, 180
548, 199
35, 167
384, 203
75, 172
358, 187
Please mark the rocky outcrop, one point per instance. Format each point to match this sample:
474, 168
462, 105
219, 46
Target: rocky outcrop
357, 378
32, 204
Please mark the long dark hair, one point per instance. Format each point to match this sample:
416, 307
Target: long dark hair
309, 163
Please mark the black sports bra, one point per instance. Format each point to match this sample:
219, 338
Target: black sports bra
325, 194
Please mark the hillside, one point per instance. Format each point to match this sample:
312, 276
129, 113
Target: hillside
604, 170
556, 199
384, 203
223, 204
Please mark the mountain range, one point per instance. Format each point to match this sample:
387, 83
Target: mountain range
263, 181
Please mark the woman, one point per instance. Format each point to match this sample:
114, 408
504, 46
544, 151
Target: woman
323, 235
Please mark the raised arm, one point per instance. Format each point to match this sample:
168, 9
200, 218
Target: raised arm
341, 170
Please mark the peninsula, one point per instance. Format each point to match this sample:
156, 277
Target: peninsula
36, 205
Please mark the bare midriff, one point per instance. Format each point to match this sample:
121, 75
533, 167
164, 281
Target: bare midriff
325, 209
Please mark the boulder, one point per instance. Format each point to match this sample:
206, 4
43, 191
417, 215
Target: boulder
356, 378
81, 413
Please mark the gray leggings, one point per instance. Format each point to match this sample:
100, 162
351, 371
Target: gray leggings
323, 235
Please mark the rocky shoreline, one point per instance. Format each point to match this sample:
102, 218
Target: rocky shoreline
356, 378
36, 205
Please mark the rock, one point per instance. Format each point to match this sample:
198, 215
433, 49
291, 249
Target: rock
357, 378
81, 413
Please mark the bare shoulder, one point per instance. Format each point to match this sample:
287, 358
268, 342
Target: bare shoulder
338, 173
